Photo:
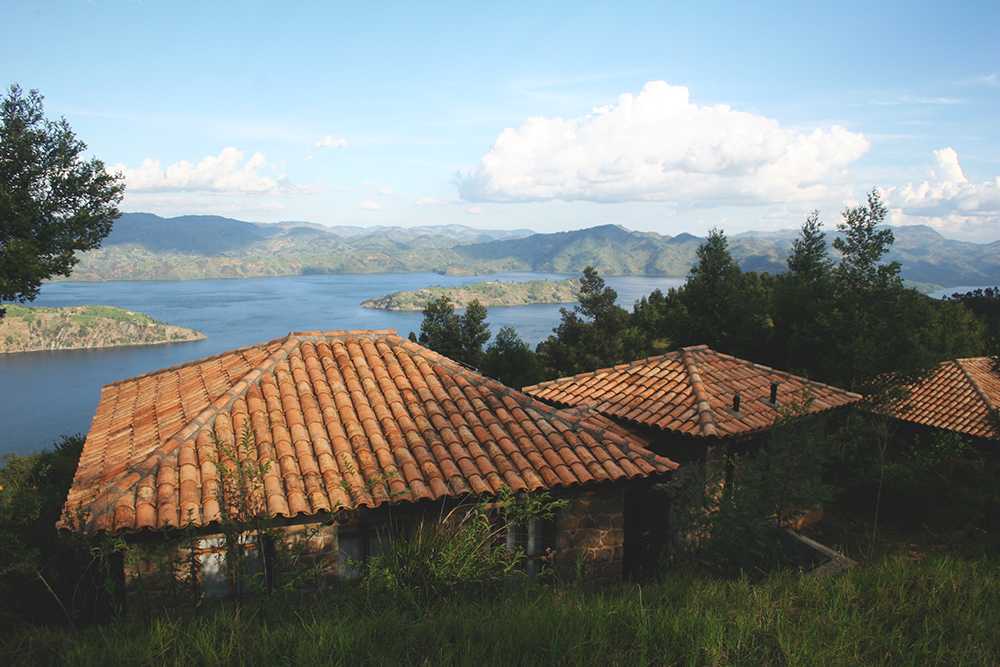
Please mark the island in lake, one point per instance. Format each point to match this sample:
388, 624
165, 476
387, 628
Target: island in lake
31, 329
490, 293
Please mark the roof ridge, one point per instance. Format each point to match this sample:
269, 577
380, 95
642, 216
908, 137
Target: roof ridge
975, 385
199, 360
778, 371
706, 417
626, 364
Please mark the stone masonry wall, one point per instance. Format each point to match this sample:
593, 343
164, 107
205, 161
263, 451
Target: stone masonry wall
590, 534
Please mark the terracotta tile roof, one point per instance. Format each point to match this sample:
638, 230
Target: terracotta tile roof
343, 420
690, 391
958, 396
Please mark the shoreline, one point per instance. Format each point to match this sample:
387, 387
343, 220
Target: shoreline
199, 337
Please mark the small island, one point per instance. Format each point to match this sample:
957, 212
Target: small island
490, 293
32, 329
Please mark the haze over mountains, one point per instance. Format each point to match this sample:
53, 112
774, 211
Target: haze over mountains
144, 246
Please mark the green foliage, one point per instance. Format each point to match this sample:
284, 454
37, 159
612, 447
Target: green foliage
593, 334
245, 524
53, 203
474, 332
47, 577
510, 360
465, 550
985, 305
916, 480
459, 337
729, 511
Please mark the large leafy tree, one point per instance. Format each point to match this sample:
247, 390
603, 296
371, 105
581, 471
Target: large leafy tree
474, 333
591, 335
803, 301
720, 305
510, 360
882, 332
53, 202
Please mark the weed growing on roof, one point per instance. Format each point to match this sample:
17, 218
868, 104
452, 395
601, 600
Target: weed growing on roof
244, 526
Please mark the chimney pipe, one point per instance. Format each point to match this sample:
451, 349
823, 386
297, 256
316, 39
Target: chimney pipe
736, 402
774, 392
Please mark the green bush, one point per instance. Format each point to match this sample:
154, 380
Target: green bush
47, 576
729, 513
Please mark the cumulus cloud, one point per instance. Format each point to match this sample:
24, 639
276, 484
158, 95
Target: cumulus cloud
947, 199
227, 172
659, 146
369, 205
473, 210
331, 141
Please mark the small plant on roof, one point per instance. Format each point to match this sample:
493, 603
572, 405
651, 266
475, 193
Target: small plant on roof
244, 522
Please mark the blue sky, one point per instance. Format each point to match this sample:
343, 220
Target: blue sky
554, 116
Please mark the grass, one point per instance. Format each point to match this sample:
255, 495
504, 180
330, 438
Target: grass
940, 610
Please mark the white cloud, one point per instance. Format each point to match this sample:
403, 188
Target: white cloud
473, 210
331, 141
429, 201
659, 146
948, 199
385, 191
369, 205
226, 172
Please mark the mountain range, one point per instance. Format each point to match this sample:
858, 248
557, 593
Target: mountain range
143, 246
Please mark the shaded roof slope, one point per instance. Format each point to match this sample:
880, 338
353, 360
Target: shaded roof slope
341, 420
690, 391
958, 395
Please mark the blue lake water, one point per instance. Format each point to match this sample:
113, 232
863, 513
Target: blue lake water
46, 394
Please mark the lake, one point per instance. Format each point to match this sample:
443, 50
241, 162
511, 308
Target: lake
46, 394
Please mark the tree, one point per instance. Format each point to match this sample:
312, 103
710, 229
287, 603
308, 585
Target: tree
985, 305
591, 335
803, 300
53, 202
440, 329
865, 241
510, 360
475, 332
722, 306
459, 337
809, 259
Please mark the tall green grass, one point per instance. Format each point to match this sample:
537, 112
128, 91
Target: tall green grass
898, 612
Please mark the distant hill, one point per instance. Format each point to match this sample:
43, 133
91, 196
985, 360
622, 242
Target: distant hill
144, 246
614, 250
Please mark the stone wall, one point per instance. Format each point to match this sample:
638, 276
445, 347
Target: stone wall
590, 534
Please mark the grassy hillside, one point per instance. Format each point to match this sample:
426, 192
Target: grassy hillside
490, 293
897, 612
27, 329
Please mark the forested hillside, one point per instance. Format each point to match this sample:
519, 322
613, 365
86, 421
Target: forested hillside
146, 247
